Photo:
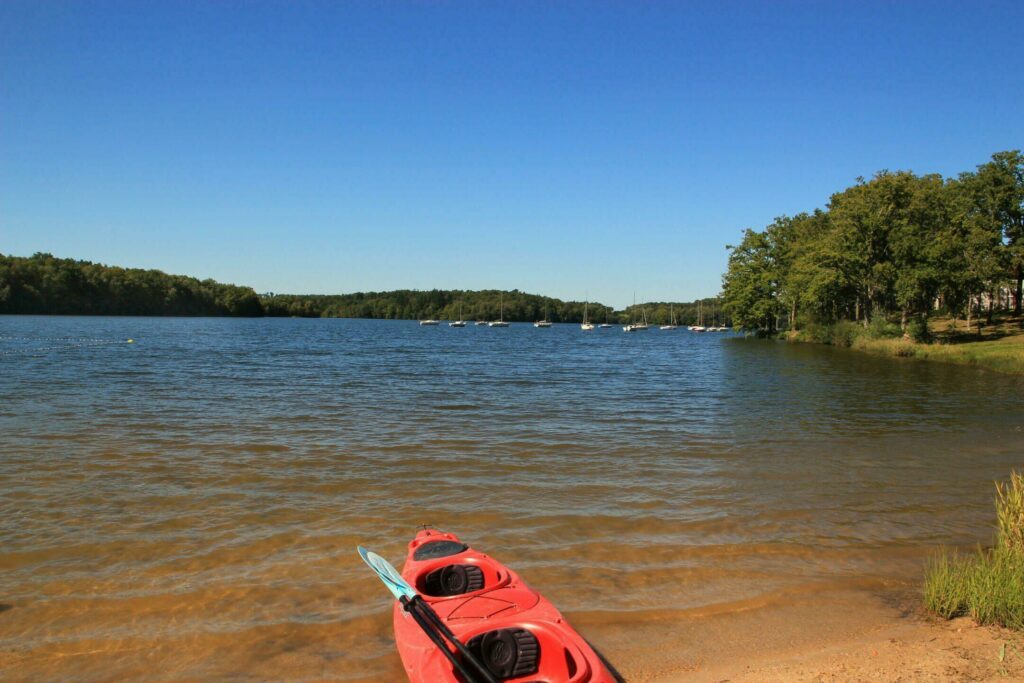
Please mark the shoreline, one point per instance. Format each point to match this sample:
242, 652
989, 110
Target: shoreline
1000, 347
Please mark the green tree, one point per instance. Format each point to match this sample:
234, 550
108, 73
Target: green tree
998, 190
750, 286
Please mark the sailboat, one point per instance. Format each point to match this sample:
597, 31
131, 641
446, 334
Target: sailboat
699, 327
545, 322
636, 326
500, 322
672, 320
719, 327
605, 325
430, 321
643, 325
460, 322
586, 325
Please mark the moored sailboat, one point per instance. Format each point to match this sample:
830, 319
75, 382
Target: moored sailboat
500, 322
586, 325
460, 322
672, 320
699, 327
637, 326
543, 323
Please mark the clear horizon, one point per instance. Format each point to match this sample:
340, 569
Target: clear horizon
573, 150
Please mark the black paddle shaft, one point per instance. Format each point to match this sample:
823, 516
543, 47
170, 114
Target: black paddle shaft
439, 642
428, 620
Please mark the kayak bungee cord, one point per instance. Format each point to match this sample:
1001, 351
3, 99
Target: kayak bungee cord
427, 619
419, 603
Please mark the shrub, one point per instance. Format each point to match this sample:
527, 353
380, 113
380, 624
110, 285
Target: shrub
881, 328
844, 333
918, 329
814, 332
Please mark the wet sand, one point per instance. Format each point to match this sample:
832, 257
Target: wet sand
870, 632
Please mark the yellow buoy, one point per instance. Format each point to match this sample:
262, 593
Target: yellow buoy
131, 341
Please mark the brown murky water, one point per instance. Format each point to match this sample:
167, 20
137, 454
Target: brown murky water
187, 506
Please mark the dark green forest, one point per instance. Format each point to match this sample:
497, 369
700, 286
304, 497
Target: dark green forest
438, 304
45, 285
897, 248
476, 305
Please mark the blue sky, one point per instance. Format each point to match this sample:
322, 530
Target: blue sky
558, 148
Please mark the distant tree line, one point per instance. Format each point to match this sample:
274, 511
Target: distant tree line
896, 247
436, 303
708, 311
479, 305
44, 284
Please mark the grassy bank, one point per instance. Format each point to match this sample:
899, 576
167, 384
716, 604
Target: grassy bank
987, 585
998, 346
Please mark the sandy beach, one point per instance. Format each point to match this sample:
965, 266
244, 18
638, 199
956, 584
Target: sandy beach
842, 635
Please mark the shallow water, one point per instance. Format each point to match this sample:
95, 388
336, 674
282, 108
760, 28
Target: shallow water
187, 506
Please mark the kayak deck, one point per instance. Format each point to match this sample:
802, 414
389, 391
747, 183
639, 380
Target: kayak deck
516, 632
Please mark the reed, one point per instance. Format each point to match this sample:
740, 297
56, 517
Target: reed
987, 585
1010, 513
946, 582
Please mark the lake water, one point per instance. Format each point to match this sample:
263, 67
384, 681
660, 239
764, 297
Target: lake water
188, 505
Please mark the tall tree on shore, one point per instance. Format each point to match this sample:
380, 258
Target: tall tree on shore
896, 244
917, 254
998, 188
750, 286
977, 255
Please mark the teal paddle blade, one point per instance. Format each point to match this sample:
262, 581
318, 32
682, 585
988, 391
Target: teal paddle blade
398, 586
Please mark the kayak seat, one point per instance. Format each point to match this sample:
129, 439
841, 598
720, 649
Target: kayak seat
507, 652
453, 579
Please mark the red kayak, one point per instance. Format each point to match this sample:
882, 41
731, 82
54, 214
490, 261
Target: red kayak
508, 626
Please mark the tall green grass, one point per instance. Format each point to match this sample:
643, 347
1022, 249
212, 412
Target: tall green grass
1010, 513
987, 585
